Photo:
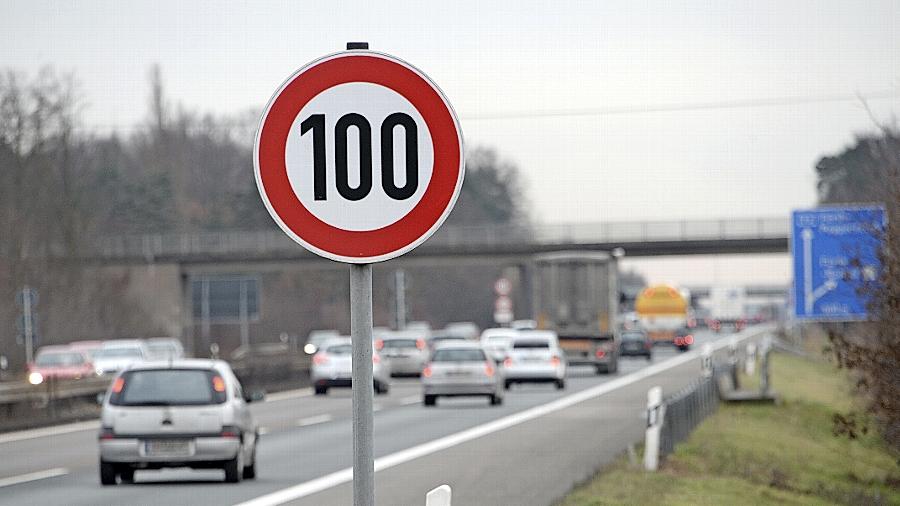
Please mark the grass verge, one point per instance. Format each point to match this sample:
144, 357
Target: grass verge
760, 455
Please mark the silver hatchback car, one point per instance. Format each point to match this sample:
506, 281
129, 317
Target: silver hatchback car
181, 413
461, 368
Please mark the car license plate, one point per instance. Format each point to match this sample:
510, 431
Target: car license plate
167, 447
458, 373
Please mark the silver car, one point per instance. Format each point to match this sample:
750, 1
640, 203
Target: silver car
461, 368
183, 413
118, 354
496, 341
332, 366
165, 348
535, 356
406, 352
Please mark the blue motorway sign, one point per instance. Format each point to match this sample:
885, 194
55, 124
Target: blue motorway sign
835, 253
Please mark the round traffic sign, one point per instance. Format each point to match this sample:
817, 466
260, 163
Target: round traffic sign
359, 157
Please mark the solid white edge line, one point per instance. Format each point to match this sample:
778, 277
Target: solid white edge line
38, 475
56, 430
403, 456
288, 394
313, 420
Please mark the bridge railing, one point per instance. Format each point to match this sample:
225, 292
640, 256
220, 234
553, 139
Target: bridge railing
462, 237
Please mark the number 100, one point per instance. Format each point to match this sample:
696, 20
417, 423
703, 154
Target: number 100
316, 123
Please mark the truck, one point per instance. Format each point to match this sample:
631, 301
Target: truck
726, 307
664, 312
576, 295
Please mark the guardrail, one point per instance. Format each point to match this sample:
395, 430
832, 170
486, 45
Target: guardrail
260, 242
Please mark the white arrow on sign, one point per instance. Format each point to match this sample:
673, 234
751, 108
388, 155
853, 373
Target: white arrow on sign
810, 295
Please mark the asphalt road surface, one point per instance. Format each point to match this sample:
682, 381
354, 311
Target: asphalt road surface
529, 451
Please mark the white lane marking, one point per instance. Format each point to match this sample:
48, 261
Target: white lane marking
49, 431
312, 420
403, 456
288, 394
39, 475
413, 399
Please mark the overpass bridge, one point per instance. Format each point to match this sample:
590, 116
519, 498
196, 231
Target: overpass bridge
510, 243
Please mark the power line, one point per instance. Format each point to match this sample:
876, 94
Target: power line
684, 106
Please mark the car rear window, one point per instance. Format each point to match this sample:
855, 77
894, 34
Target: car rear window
458, 355
633, 336
399, 343
339, 349
531, 344
59, 359
169, 387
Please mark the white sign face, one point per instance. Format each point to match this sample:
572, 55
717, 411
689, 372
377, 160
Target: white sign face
502, 286
363, 170
359, 157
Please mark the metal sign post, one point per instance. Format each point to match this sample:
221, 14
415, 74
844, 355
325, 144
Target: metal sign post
363, 385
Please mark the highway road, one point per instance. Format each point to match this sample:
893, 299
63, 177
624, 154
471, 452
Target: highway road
529, 451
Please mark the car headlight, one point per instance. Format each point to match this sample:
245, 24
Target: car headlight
35, 378
309, 348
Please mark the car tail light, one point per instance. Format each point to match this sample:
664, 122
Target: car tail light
554, 360
600, 353
426, 372
230, 431
319, 358
379, 344
118, 385
679, 341
376, 359
107, 433
689, 339
420, 344
218, 384
507, 362
488, 370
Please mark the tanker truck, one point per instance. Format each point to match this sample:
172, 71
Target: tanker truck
576, 295
663, 314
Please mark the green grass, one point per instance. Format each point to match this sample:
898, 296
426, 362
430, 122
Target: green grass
760, 455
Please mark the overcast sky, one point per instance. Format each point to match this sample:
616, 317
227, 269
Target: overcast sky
500, 62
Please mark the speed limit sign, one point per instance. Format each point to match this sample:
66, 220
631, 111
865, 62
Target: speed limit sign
359, 157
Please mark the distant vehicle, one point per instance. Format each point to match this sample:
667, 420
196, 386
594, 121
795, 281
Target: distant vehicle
118, 354
332, 367
496, 341
316, 338
435, 339
726, 306
59, 362
663, 312
467, 330
165, 348
190, 413
534, 356
523, 325
89, 347
419, 326
636, 342
577, 297
461, 368
405, 352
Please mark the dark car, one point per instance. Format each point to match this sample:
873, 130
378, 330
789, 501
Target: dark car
636, 343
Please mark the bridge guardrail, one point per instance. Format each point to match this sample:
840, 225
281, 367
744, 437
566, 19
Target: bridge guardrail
272, 241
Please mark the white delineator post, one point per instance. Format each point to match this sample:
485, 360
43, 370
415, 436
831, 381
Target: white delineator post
706, 367
438, 497
363, 385
655, 413
750, 362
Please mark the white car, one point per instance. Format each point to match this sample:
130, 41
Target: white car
496, 341
406, 352
332, 367
183, 413
535, 356
461, 368
316, 338
118, 354
165, 348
